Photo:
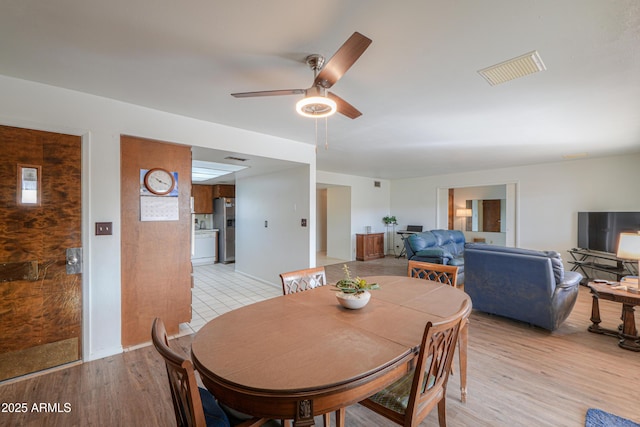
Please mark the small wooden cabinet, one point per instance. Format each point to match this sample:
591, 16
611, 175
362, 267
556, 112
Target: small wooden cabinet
224, 190
202, 198
369, 246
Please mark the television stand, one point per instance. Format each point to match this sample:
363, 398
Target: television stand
589, 262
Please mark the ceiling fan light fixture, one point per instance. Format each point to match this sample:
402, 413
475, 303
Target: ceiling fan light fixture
316, 106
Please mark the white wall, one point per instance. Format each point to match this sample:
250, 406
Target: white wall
549, 196
101, 121
321, 220
368, 204
339, 222
282, 199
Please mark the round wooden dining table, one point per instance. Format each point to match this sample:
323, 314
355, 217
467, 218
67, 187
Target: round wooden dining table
300, 355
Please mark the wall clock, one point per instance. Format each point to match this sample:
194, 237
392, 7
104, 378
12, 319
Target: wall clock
159, 181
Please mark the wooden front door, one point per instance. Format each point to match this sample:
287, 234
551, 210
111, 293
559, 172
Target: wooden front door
40, 218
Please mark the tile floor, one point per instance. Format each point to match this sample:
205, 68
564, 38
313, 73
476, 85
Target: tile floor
219, 289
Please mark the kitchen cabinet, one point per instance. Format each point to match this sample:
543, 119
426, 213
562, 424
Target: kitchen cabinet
224, 190
369, 246
202, 198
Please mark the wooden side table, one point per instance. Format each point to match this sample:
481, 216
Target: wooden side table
627, 332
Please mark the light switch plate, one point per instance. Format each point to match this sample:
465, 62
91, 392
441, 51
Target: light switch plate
104, 229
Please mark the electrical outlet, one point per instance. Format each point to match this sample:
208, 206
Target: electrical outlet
303, 222
266, 223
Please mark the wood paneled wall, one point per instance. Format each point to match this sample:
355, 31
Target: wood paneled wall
156, 255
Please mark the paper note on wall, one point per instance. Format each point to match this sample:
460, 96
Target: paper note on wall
159, 208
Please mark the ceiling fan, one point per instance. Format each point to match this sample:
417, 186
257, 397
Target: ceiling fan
317, 101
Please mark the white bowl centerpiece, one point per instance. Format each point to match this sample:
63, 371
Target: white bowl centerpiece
354, 293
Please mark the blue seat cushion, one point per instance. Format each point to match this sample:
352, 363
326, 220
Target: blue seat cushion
421, 241
434, 253
213, 413
458, 262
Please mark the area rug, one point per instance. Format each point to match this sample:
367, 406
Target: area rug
599, 418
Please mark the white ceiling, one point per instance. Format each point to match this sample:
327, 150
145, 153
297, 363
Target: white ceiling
425, 109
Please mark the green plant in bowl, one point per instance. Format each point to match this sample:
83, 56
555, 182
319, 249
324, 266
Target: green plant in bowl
356, 285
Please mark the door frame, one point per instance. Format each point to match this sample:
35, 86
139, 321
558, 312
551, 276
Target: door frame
85, 206
512, 226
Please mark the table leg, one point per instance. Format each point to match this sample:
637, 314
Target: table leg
463, 339
340, 417
629, 337
326, 419
595, 316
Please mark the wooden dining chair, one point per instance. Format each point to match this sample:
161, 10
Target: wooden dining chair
411, 398
193, 406
302, 280
299, 281
446, 274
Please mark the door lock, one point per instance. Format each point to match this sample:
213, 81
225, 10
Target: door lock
74, 260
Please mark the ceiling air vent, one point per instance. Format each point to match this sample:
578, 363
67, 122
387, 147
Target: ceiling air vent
515, 68
239, 159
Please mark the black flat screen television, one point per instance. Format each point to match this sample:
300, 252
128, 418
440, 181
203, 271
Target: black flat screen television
599, 231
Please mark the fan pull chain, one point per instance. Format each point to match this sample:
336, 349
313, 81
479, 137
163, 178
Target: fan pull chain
326, 133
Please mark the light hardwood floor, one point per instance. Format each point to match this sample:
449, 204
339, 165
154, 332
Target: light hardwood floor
518, 376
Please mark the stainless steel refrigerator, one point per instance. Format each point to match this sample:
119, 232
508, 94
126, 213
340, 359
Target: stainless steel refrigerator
224, 219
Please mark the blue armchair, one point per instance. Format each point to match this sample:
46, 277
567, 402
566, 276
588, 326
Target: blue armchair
521, 284
438, 247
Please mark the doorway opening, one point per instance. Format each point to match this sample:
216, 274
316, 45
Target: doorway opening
453, 199
333, 230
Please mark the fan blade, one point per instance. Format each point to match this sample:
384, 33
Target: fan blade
344, 107
342, 60
269, 93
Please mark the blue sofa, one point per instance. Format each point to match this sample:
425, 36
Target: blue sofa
439, 247
521, 284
